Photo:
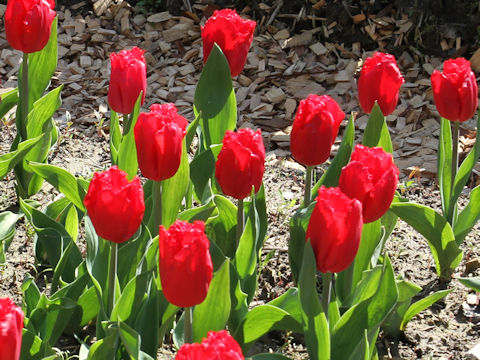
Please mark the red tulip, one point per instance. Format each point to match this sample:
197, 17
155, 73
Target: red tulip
28, 24
233, 34
158, 138
128, 77
241, 163
335, 229
455, 91
115, 205
185, 264
11, 325
219, 345
380, 81
314, 129
370, 177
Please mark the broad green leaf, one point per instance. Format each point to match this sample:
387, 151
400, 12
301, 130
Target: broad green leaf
472, 283
289, 301
31, 295
8, 220
468, 217
61, 180
11, 159
115, 136
212, 314
148, 320
221, 228
202, 169
315, 325
7, 101
202, 213
104, 349
33, 348
376, 133
215, 98
331, 176
444, 164
436, 230
191, 130
41, 113
130, 339
90, 306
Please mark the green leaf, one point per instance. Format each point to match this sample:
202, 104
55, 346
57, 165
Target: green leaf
436, 230
115, 136
468, 217
215, 98
11, 159
104, 349
221, 228
7, 101
202, 213
8, 220
191, 130
444, 164
315, 325
61, 180
148, 320
33, 348
202, 169
212, 314
130, 339
376, 133
41, 113
472, 283
422, 304
331, 176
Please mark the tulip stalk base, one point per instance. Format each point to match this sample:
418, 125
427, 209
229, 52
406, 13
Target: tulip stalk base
240, 220
308, 185
455, 134
326, 292
112, 274
187, 326
24, 99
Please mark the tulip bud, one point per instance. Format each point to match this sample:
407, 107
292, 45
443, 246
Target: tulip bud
28, 24
232, 34
219, 345
185, 263
159, 141
241, 163
115, 205
455, 91
11, 325
380, 80
335, 229
128, 77
370, 177
314, 129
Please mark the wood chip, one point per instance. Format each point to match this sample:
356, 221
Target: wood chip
276, 95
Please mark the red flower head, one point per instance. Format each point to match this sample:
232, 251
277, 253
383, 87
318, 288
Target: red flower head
219, 345
233, 34
28, 24
455, 91
241, 163
370, 177
128, 77
115, 205
158, 138
185, 264
314, 129
11, 325
379, 80
335, 229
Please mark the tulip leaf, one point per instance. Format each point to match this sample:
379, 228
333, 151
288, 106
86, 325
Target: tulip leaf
468, 217
436, 230
131, 340
444, 164
212, 314
115, 136
33, 347
202, 169
464, 171
148, 320
11, 159
221, 228
192, 129
376, 133
61, 180
215, 98
473, 282
202, 213
331, 176
104, 349
8, 220
7, 101
368, 314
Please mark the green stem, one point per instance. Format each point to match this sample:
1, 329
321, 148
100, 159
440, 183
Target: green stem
240, 220
308, 186
455, 133
157, 204
24, 99
112, 274
187, 326
327, 291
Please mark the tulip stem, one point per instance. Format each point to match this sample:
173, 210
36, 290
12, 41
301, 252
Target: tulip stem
240, 220
327, 291
112, 273
24, 97
157, 204
455, 132
187, 326
308, 186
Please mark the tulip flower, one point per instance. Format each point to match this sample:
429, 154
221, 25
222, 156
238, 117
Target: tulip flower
241, 163
380, 80
335, 229
128, 77
232, 34
314, 129
185, 263
28, 24
158, 138
219, 345
11, 325
115, 205
370, 177
455, 91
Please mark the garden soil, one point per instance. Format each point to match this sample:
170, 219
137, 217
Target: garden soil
283, 67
